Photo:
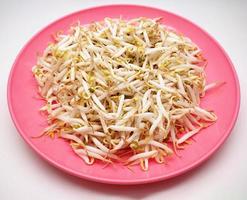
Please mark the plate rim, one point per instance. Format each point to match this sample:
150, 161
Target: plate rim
183, 170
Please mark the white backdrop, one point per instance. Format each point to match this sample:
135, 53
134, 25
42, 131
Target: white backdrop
23, 175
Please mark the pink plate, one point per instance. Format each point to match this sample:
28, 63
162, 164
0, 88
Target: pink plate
24, 106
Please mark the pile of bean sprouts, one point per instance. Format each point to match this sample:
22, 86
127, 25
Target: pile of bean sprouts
123, 90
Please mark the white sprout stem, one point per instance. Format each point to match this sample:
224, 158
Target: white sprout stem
82, 153
162, 146
142, 155
100, 145
188, 135
122, 128
98, 103
120, 107
213, 85
71, 137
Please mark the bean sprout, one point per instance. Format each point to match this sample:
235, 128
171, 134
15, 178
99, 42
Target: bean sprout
121, 85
